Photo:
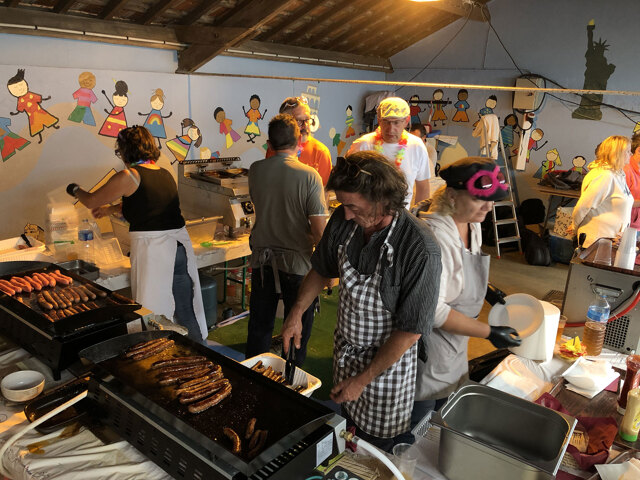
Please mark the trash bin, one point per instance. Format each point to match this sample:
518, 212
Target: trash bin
209, 288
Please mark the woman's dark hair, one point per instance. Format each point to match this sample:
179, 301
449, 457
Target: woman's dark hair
17, 78
135, 144
217, 111
252, 97
284, 132
371, 175
121, 88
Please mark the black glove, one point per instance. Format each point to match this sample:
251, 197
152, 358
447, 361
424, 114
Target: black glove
502, 337
72, 189
494, 295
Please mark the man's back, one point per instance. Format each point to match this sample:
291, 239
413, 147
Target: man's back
285, 194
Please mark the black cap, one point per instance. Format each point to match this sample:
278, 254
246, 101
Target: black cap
480, 176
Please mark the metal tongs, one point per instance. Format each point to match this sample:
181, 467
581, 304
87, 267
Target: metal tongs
290, 365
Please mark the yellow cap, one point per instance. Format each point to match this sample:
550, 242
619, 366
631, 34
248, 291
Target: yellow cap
393, 107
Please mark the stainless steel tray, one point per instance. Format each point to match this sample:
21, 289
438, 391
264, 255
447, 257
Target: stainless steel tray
84, 269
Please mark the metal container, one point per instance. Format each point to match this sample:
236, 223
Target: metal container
489, 434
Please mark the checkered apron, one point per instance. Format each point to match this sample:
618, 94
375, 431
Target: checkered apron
364, 324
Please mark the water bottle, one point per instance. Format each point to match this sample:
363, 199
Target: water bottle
596, 324
85, 242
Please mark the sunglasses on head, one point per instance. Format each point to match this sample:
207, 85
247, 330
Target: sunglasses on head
295, 101
351, 168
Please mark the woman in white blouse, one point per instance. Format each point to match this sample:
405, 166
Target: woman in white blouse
604, 207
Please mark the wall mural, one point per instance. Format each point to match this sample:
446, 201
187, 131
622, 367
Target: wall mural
231, 136
548, 165
85, 97
155, 120
116, 119
252, 129
9, 141
29, 103
596, 75
414, 109
461, 107
180, 145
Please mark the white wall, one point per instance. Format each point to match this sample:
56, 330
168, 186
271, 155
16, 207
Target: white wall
545, 37
76, 153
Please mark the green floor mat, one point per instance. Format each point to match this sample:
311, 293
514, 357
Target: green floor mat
319, 349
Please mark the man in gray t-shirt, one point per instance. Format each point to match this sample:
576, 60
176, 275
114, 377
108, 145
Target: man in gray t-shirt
290, 217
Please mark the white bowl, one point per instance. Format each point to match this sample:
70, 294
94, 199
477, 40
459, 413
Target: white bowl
22, 386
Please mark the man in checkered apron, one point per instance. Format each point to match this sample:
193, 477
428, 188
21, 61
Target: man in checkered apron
389, 268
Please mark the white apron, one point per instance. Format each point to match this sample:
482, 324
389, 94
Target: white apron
153, 256
447, 365
364, 324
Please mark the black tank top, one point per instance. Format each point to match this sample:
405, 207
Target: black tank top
155, 204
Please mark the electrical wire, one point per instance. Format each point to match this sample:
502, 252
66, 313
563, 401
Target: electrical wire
442, 49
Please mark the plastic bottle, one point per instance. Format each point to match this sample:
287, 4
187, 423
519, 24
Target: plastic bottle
631, 381
631, 421
86, 250
595, 325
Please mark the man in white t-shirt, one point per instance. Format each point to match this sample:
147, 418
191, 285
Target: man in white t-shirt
404, 150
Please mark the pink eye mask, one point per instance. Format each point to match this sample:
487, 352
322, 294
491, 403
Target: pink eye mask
486, 183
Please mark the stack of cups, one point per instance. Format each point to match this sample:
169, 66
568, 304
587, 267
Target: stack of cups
626, 255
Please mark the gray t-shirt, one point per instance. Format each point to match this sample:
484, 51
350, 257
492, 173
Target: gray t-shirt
285, 193
410, 287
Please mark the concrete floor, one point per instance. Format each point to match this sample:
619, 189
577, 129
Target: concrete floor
512, 274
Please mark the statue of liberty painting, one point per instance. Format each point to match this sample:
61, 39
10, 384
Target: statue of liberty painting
596, 76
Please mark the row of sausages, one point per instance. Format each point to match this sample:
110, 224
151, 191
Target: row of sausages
274, 375
66, 297
36, 281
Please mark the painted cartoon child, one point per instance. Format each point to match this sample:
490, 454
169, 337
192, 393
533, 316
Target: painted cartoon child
438, 105
349, 131
85, 97
230, 134
336, 140
536, 135
461, 107
29, 103
414, 109
510, 124
116, 119
180, 146
252, 129
579, 163
9, 141
548, 165
489, 105
154, 121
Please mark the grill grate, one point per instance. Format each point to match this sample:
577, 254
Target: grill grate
616, 334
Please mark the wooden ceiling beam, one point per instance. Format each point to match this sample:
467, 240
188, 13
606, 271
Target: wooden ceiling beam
63, 6
462, 9
111, 9
290, 53
357, 25
343, 15
155, 11
308, 27
290, 20
252, 15
383, 22
398, 43
11, 3
205, 8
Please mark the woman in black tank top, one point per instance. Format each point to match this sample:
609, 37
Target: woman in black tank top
149, 203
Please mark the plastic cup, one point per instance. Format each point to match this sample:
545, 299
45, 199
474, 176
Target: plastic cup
405, 458
603, 252
561, 323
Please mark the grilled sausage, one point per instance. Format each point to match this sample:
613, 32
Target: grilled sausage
15, 285
172, 378
92, 305
235, 439
122, 298
83, 296
26, 286
211, 401
34, 283
153, 351
214, 374
68, 312
60, 278
178, 361
44, 303
53, 315
63, 296
60, 313
138, 347
72, 294
87, 293
95, 290
257, 366
250, 428
260, 444
193, 396
62, 303
200, 383
43, 279
48, 276
7, 287
183, 368
48, 298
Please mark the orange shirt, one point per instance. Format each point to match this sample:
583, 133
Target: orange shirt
316, 155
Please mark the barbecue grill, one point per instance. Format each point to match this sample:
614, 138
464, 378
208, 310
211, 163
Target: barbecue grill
192, 446
57, 343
